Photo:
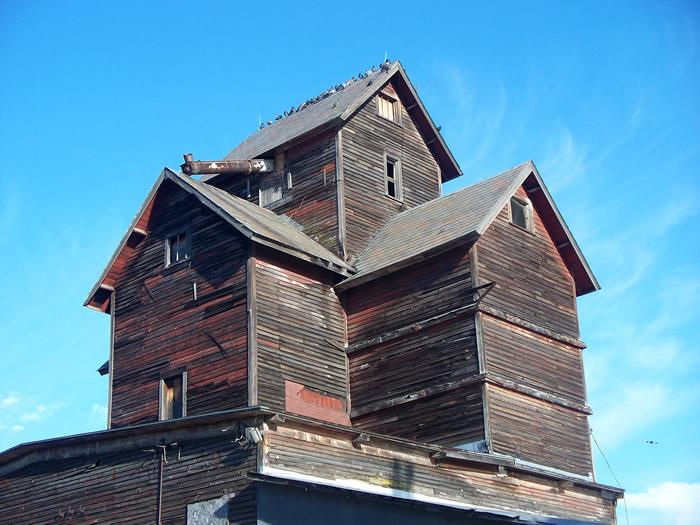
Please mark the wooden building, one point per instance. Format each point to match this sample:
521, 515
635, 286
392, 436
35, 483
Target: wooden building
330, 339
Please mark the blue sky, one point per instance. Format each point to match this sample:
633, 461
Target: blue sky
96, 97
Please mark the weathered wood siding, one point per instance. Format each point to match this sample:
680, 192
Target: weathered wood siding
538, 431
408, 296
533, 360
159, 326
450, 418
532, 282
122, 487
429, 360
312, 200
365, 139
301, 331
333, 457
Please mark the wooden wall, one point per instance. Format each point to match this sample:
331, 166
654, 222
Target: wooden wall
301, 331
405, 385
122, 487
533, 360
450, 418
538, 431
312, 200
334, 457
365, 137
160, 327
408, 296
531, 279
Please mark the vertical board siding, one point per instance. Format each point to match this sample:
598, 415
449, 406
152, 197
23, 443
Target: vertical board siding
122, 487
409, 295
333, 458
531, 279
301, 333
366, 137
312, 200
450, 418
538, 431
160, 327
533, 360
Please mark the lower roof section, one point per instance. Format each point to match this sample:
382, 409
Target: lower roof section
295, 449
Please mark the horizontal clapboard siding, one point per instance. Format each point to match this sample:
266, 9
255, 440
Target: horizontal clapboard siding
159, 326
122, 487
312, 200
538, 431
301, 332
365, 138
450, 418
331, 458
533, 360
409, 296
532, 281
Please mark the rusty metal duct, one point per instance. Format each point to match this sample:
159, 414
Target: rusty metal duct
246, 167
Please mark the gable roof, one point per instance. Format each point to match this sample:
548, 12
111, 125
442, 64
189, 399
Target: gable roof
338, 107
253, 222
462, 217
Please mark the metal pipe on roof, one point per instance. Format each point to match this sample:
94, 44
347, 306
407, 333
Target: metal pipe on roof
246, 167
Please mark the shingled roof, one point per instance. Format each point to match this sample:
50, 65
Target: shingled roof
462, 217
254, 222
338, 105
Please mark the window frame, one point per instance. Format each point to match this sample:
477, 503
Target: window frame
187, 230
397, 179
396, 107
165, 376
527, 210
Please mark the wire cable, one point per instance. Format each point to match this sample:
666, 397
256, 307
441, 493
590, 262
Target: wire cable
624, 501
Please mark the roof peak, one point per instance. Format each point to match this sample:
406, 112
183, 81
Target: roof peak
362, 75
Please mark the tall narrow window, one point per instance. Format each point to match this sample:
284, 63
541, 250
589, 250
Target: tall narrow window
392, 172
388, 108
177, 247
172, 397
521, 213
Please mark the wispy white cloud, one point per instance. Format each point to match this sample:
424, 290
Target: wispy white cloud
564, 161
98, 411
669, 502
17, 428
9, 400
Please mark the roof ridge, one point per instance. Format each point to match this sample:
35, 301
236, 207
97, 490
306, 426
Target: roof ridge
327, 93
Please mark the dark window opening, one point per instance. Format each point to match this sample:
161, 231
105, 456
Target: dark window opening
177, 248
521, 214
172, 397
392, 173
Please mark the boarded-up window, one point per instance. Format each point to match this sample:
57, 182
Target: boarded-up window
273, 187
387, 107
210, 512
177, 247
172, 397
521, 214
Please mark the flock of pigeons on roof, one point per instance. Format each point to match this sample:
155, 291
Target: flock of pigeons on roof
384, 66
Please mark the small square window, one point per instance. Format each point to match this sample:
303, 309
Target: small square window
172, 397
177, 247
388, 108
521, 213
392, 175
273, 187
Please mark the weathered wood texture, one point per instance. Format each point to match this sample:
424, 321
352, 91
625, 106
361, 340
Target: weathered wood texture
301, 331
159, 326
122, 487
451, 418
538, 431
408, 296
335, 458
531, 279
531, 359
312, 200
366, 138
